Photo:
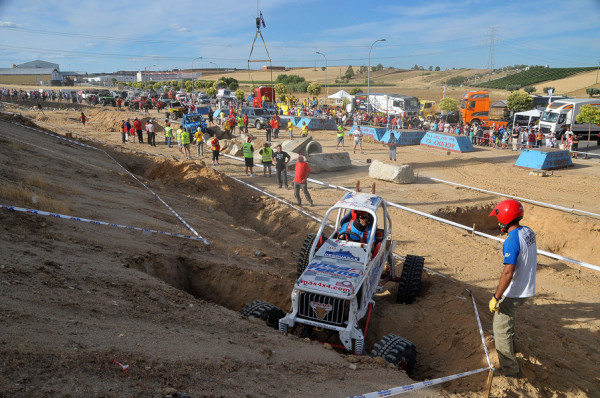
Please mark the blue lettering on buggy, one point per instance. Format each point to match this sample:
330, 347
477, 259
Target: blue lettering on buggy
342, 255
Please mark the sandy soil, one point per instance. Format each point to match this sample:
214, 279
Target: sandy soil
75, 295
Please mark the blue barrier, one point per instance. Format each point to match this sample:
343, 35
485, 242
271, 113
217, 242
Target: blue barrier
375, 132
448, 142
315, 123
544, 159
404, 137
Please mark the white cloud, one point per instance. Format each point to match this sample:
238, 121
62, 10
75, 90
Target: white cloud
179, 28
7, 24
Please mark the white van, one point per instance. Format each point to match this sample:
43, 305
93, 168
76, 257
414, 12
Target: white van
225, 93
563, 113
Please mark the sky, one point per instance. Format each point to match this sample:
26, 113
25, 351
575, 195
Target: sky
111, 35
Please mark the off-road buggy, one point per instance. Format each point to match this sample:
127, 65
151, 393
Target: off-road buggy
338, 278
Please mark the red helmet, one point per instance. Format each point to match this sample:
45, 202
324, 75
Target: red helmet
507, 211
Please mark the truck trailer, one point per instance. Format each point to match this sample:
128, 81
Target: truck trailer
390, 104
563, 113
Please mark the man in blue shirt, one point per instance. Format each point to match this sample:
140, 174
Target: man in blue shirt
517, 281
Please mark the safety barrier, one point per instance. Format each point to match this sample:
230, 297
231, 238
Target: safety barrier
544, 159
87, 220
448, 142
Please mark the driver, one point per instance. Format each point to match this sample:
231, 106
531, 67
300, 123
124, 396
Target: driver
357, 230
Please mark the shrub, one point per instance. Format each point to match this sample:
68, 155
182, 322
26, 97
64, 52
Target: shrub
529, 89
355, 90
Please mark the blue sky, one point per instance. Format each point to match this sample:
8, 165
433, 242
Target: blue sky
111, 35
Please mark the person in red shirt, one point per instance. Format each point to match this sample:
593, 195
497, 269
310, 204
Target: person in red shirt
275, 126
302, 170
246, 121
137, 125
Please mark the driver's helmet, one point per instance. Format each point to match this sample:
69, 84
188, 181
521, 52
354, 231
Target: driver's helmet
507, 211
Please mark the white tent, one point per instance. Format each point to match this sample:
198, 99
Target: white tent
525, 118
339, 96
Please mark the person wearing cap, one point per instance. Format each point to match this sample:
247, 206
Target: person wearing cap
248, 152
302, 171
517, 281
138, 130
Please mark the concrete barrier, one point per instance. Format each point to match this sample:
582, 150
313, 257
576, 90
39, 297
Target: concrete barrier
235, 150
404, 137
544, 159
402, 174
297, 145
320, 162
375, 132
313, 147
315, 123
448, 142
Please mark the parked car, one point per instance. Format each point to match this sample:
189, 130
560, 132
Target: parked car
257, 117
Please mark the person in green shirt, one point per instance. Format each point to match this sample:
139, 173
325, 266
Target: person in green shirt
185, 141
266, 154
248, 152
169, 134
340, 137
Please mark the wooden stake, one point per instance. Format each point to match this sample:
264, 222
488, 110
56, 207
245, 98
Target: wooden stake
357, 185
473, 231
489, 383
373, 189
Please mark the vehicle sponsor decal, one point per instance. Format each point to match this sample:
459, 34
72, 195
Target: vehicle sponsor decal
339, 287
342, 255
320, 310
333, 269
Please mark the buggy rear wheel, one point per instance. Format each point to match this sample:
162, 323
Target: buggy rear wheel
410, 280
265, 311
304, 253
397, 350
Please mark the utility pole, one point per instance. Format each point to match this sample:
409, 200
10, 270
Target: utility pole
490, 62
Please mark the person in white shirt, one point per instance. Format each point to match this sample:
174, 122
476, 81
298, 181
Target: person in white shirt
357, 139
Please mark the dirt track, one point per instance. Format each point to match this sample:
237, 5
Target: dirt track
75, 295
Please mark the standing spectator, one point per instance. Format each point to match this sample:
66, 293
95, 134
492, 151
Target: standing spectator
185, 141
168, 133
240, 121
340, 137
517, 281
304, 132
548, 137
302, 170
123, 131
268, 131
357, 139
266, 154
290, 127
248, 152
246, 121
281, 160
151, 133
574, 146
83, 119
568, 142
215, 147
392, 144
178, 134
515, 138
199, 140
538, 137
119, 103
275, 126
210, 117
137, 125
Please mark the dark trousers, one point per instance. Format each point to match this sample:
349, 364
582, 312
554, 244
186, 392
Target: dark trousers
152, 139
297, 187
140, 136
123, 137
281, 177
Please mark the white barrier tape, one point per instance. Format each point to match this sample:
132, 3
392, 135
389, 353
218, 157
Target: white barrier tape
86, 220
514, 197
487, 353
417, 386
188, 226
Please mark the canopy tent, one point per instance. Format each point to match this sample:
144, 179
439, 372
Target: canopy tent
525, 118
339, 96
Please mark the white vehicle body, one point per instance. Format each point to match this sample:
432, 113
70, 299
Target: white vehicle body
341, 277
225, 93
395, 104
563, 113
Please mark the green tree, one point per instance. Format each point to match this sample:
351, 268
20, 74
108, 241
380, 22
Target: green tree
589, 114
349, 72
281, 88
529, 89
211, 91
219, 83
456, 81
114, 81
208, 84
512, 87
239, 94
198, 84
157, 86
519, 101
234, 85
437, 68
314, 88
175, 84
592, 91
252, 87
449, 104
379, 67
355, 91
430, 68
549, 88
282, 97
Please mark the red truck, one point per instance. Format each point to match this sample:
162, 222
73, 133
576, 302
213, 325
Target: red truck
264, 97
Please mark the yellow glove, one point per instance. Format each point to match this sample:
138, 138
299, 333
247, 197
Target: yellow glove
494, 303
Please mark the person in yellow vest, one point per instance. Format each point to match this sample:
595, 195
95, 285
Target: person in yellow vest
169, 133
185, 141
198, 139
248, 152
267, 158
340, 137
304, 130
291, 129
240, 122
178, 136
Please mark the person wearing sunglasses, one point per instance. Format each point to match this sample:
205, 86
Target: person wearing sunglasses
358, 229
